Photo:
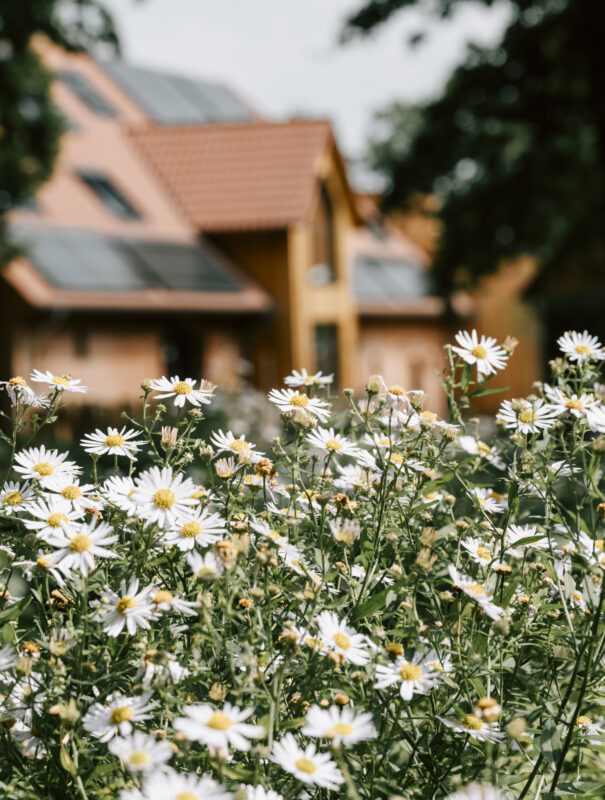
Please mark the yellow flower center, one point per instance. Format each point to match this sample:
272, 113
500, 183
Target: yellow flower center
299, 400
475, 588
484, 553
582, 720
182, 387
114, 440
138, 758
203, 572
191, 529
42, 561
342, 640
80, 543
305, 765
163, 596
17, 381
479, 351
55, 520
582, 349
219, 722
575, 403
312, 642
397, 390
410, 672
186, 796
396, 458
12, 499
62, 380
71, 492
124, 603
340, 729
483, 448
428, 416
239, 445
121, 714
164, 498
472, 722
528, 416
598, 545
333, 444
43, 468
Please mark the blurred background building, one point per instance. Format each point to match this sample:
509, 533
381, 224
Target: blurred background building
182, 233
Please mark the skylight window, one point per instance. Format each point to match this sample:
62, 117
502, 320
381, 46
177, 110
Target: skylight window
108, 193
87, 93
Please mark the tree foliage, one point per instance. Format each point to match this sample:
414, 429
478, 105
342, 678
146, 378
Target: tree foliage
514, 146
30, 125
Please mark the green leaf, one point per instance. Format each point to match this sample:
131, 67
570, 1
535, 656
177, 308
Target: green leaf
66, 762
550, 742
14, 611
373, 604
485, 392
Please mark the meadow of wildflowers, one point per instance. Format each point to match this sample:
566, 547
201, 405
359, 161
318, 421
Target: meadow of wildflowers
377, 604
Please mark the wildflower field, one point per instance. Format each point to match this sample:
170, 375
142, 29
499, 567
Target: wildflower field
379, 605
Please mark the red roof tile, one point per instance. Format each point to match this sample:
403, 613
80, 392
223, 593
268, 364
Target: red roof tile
241, 176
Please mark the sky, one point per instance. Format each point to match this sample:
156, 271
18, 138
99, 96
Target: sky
283, 56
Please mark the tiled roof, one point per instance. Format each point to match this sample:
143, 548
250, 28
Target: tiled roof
240, 176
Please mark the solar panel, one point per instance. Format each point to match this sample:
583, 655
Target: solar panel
87, 93
176, 100
87, 261
389, 280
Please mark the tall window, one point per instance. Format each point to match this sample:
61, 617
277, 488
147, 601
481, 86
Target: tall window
323, 265
326, 350
109, 194
87, 93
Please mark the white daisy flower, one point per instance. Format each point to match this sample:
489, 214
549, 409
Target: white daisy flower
128, 609
487, 500
355, 477
140, 752
592, 549
478, 791
39, 463
69, 489
478, 550
577, 406
304, 378
162, 496
207, 567
415, 677
219, 729
53, 516
580, 346
20, 392
342, 640
471, 725
44, 563
162, 668
341, 726
114, 442
196, 527
260, 793
307, 765
485, 352
170, 785
14, 497
61, 382
526, 417
225, 467
478, 448
515, 533
331, 442
183, 390
8, 657
596, 418
476, 591
592, 731
228, 443
346, 531
116, 715
164, 600
289, 401
78, 549
119, 491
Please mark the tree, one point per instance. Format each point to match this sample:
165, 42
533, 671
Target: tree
30, 125
514, 147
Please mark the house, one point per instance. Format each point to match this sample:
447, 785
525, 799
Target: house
182, 233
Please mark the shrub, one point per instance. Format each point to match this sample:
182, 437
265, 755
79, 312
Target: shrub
379, 606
